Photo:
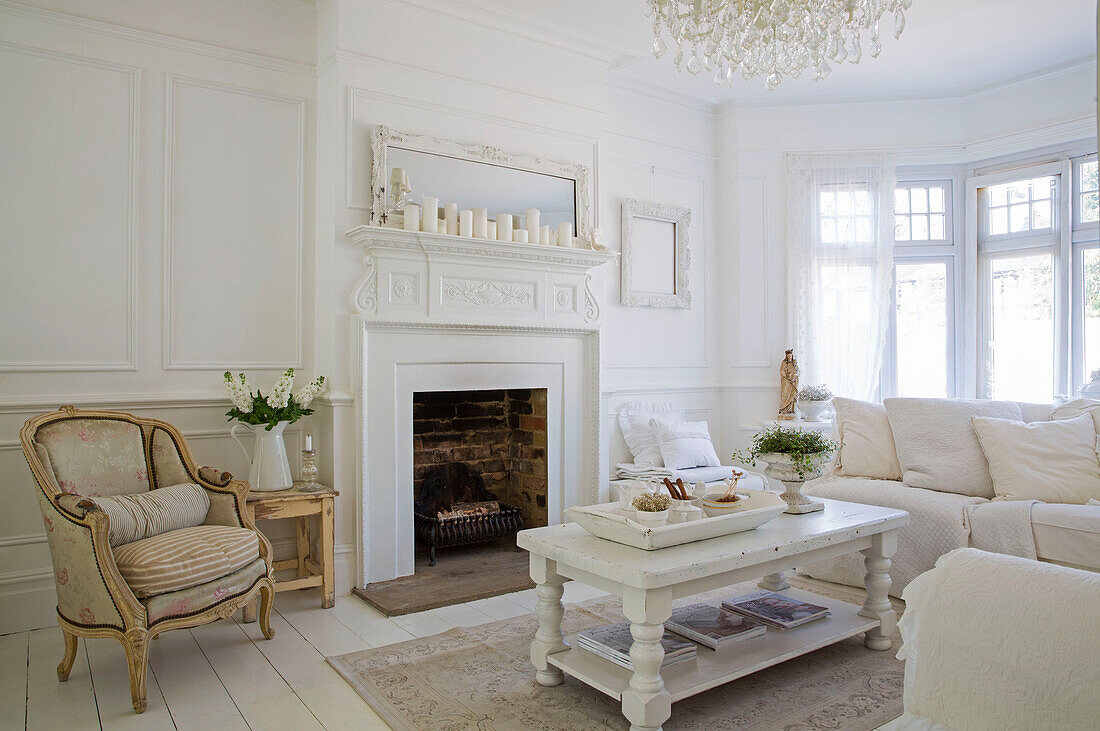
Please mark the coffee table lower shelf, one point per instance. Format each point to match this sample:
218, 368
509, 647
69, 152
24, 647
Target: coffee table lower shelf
712, 668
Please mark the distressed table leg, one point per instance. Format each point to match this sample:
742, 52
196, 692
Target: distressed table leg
774, 582
549, 587
647, 704
876, 560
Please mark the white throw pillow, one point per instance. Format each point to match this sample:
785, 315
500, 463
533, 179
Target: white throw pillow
634, 419
1052, 461
936, 444
866, 441
685, 444
1073, 409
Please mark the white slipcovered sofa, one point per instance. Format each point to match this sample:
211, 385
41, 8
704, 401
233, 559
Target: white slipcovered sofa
999, 642
924, 456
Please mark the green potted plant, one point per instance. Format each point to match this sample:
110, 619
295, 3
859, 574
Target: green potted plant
792, 456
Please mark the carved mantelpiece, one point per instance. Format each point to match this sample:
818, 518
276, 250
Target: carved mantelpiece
413, 276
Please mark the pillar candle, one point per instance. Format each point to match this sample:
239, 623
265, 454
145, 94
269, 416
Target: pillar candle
490, 229
520, 235
465, 223
429, 214
481, 221
532, 221
565, 234
412, 217
309, 442
504, 226
544, 235
451, 215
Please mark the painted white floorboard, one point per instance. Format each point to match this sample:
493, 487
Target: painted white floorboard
111, 680
422, 624
54, 705
499, 607
461, 615
14, 650
191, 688
376, 629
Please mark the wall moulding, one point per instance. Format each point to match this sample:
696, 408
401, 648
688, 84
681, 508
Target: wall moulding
132, 77
171, 359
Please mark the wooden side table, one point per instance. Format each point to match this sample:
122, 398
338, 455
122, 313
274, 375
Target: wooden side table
294, 503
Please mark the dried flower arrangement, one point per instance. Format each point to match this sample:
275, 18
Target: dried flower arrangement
651, 502
815, 393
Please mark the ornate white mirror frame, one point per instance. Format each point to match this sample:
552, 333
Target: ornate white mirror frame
679, 257
382, 138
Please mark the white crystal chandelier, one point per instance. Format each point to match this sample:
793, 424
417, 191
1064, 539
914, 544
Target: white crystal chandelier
771, 38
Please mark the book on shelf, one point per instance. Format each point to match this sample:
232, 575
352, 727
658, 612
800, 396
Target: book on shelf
775, 610
612, 642
713, 627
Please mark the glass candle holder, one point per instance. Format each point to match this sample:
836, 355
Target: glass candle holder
308, 477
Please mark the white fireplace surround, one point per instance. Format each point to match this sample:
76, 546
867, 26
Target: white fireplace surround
442, 313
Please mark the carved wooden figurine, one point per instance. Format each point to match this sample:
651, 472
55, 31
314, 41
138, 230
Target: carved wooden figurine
788, 386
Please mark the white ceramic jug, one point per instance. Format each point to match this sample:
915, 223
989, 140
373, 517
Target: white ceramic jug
270, 468
629, 490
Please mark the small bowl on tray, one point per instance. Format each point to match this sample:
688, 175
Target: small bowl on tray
715, 507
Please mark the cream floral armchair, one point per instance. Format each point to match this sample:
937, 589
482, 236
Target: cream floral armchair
132, 591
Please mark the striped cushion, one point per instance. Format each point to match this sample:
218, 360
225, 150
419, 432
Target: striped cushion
148, 514
187, 557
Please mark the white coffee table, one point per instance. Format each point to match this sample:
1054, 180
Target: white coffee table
649, 581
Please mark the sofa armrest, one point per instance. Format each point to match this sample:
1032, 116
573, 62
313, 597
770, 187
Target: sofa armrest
228, 506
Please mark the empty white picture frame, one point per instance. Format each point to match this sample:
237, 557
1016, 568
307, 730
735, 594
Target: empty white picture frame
656, 257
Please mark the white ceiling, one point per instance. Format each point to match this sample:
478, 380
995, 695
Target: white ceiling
949, 47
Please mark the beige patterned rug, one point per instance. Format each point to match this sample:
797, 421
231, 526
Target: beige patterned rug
480, 678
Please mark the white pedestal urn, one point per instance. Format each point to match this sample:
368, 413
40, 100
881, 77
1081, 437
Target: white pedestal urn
270, 468
814, 410
782, 468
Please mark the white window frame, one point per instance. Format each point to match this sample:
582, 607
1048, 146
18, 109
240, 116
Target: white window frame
1085, 236
932, 251
948, 226
980, 249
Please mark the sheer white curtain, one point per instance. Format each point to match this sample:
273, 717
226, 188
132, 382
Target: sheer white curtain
840, 245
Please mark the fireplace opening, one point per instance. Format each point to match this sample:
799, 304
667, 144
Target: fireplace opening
479, 475
479, 466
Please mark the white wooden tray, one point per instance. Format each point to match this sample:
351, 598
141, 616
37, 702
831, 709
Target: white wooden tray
606, 521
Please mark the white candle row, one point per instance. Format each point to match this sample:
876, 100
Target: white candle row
475, 223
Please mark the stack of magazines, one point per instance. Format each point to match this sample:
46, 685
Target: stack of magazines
612, 642
775, 610
713, 627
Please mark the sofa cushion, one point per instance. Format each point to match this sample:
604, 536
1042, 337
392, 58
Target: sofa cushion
1067, 534
1052, 461
187, 557
147, 514
93, 457
685, 444
634, 421
1034, 412
1077, 407
866, 441
936, 444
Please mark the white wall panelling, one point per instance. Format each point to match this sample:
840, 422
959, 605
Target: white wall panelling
69, 145
233, 227
749, 327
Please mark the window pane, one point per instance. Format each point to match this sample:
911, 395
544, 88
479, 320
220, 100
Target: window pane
863, 229
1018, 191
998, 195
936, 227
935, 199
1017, 218
920, 200
1040, 187
998, 221
1022, 328
901, 200
920, 227
922, 329
901, 228
845, 230
1090, 262
828, 203
844, 202
1089, 175
1090, 208
828, 231
1040, 214
862, 202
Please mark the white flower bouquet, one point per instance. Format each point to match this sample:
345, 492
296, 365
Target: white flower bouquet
252, 407
815, 393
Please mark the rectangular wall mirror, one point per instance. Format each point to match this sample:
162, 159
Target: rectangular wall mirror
656, 258
477, 176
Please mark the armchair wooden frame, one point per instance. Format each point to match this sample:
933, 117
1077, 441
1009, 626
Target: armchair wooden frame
131, 626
